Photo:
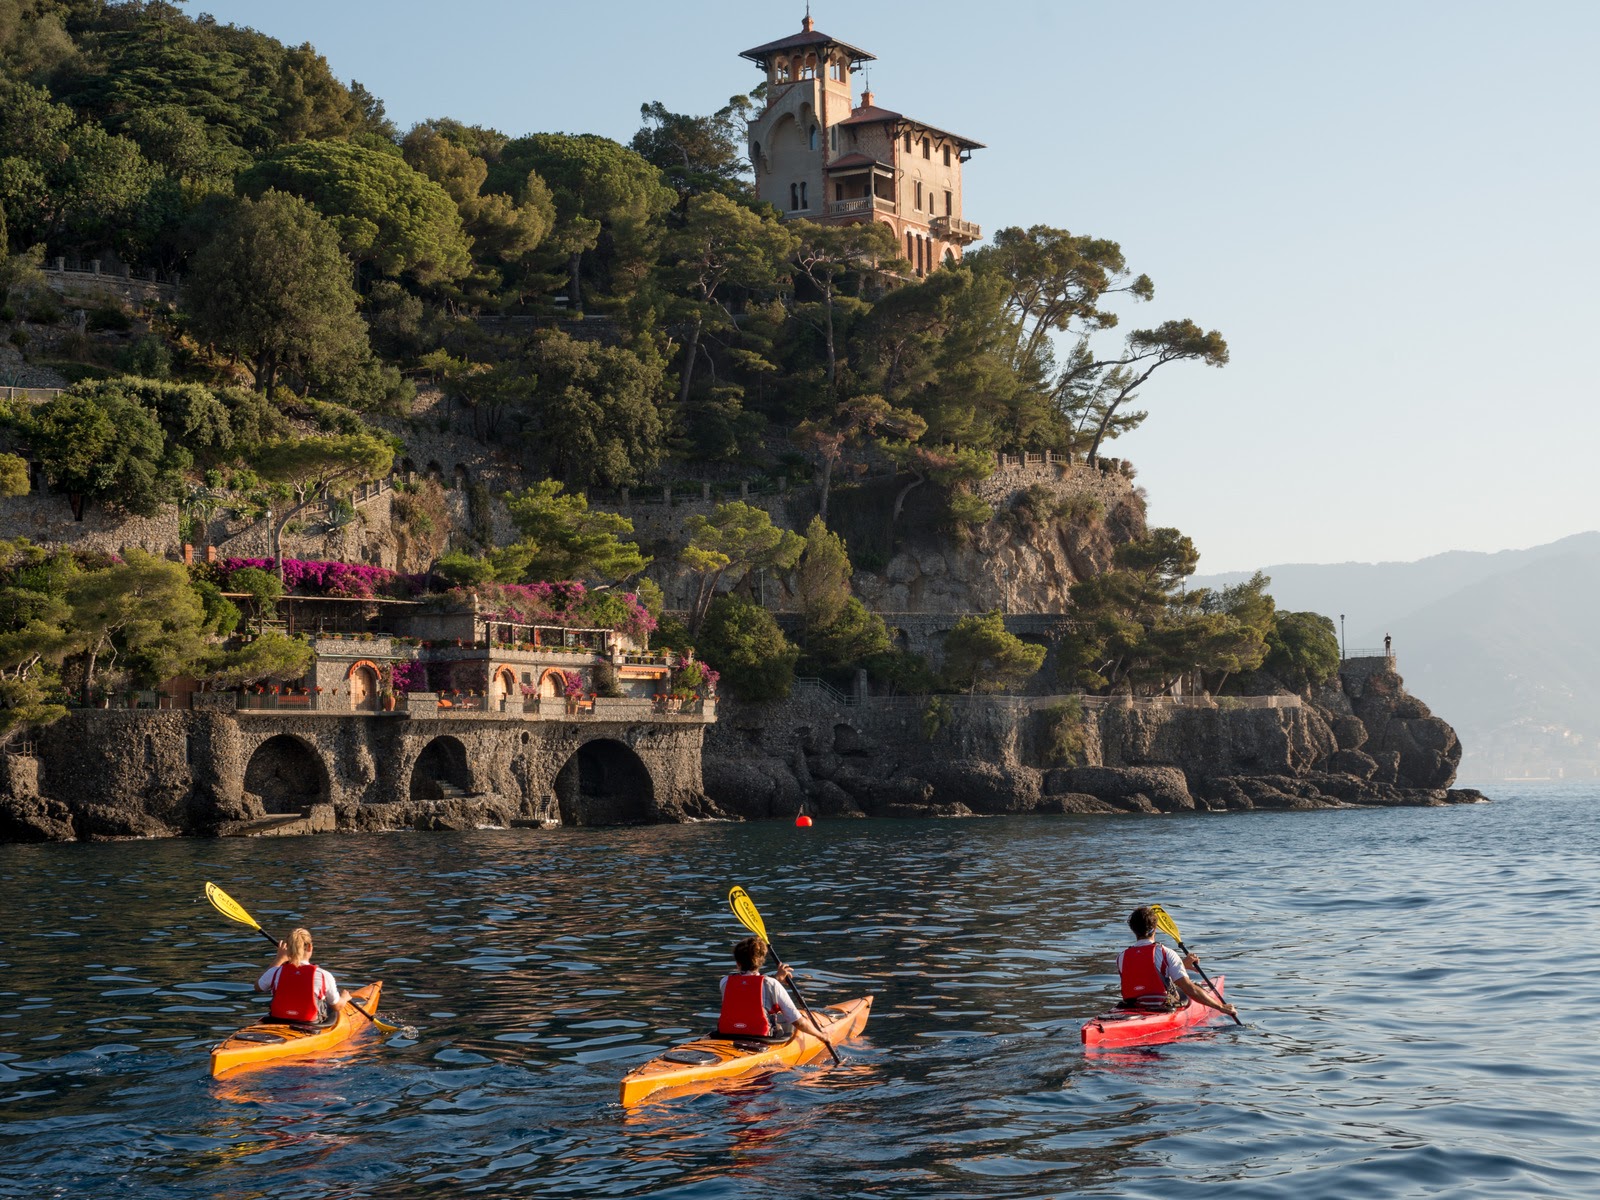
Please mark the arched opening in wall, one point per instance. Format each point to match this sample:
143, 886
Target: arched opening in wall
436, 473
503, 686
605, 783
553, 683
362, 678
287, 774
441, 772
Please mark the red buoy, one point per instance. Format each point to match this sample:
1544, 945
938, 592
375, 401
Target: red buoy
802, 822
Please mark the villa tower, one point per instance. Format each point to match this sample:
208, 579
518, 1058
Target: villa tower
821, 157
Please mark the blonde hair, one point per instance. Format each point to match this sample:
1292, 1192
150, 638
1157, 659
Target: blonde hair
300, 945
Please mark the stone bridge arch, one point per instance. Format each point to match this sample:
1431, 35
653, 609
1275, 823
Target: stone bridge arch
288, 773
442, 771
605, 782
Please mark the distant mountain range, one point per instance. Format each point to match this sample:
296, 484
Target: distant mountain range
1503, 646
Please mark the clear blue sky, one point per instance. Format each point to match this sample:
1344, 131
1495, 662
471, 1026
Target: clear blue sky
1391, 210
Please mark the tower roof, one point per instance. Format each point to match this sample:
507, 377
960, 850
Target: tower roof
868, 113
808, 37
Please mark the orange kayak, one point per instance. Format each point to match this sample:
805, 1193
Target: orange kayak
1130, 1027
707, 1061
270, 1041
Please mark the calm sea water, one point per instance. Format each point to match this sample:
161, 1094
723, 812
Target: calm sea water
1400, 973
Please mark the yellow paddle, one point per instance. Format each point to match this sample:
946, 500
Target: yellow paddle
1170, 927
234, 911
745, 909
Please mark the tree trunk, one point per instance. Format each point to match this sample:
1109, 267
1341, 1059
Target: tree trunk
827, 301
827, 484
899, 505
88, 673
691, 349
574, 282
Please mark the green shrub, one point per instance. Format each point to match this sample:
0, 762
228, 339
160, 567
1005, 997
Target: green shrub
109, 317
1061, 734
742, 640
149, 358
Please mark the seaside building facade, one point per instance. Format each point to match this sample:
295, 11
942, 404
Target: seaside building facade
822, 157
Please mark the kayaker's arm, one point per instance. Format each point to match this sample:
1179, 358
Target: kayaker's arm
1195, 992
801, 1021
283, 957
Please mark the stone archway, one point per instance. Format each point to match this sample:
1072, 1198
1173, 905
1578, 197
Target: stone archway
441, 771
502, 686
363, 680
287, 774
553, 683
605, 783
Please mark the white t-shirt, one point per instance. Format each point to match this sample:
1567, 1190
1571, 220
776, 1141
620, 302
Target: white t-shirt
323, 987
774, 998
1167, 960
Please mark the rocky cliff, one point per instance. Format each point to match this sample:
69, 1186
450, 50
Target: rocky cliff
1361, 740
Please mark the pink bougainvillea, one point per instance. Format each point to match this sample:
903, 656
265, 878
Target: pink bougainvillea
572, 684
316, 577
410, 676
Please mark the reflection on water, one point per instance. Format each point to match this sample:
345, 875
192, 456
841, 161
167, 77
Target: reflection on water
1386, 963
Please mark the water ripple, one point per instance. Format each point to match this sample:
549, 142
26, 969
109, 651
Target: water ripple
1401, 972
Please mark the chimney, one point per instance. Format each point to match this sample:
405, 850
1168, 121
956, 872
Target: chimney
866, 99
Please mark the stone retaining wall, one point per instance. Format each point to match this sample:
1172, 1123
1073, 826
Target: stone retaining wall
151, 773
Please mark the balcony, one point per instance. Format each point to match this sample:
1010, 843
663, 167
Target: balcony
860, 206
954, 229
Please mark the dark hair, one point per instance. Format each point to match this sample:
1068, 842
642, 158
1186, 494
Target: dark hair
1142, 921
750, 953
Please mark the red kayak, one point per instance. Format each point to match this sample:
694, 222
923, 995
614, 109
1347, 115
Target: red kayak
1130, 1027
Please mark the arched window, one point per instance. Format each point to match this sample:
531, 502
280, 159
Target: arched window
911, 248
836, 71
794, 196
755, 155
781, 70
804, 203
811, 138
918, 204
833, 139
810, 71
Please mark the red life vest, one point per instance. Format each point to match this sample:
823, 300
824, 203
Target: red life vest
294, 996
1141, 971
742, 1009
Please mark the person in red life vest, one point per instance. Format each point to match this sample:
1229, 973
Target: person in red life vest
751, 1000
301, 991
1153, 976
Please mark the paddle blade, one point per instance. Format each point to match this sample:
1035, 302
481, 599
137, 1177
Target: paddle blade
1165, 923
745, 909
228, 906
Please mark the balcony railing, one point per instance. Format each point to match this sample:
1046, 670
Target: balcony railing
860, 205
956, 230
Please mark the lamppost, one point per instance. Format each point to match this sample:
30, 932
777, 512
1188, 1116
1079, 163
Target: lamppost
1341, 637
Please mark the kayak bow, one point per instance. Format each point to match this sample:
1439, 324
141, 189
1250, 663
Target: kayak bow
1130, 1027
269, 1041
710, 1060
